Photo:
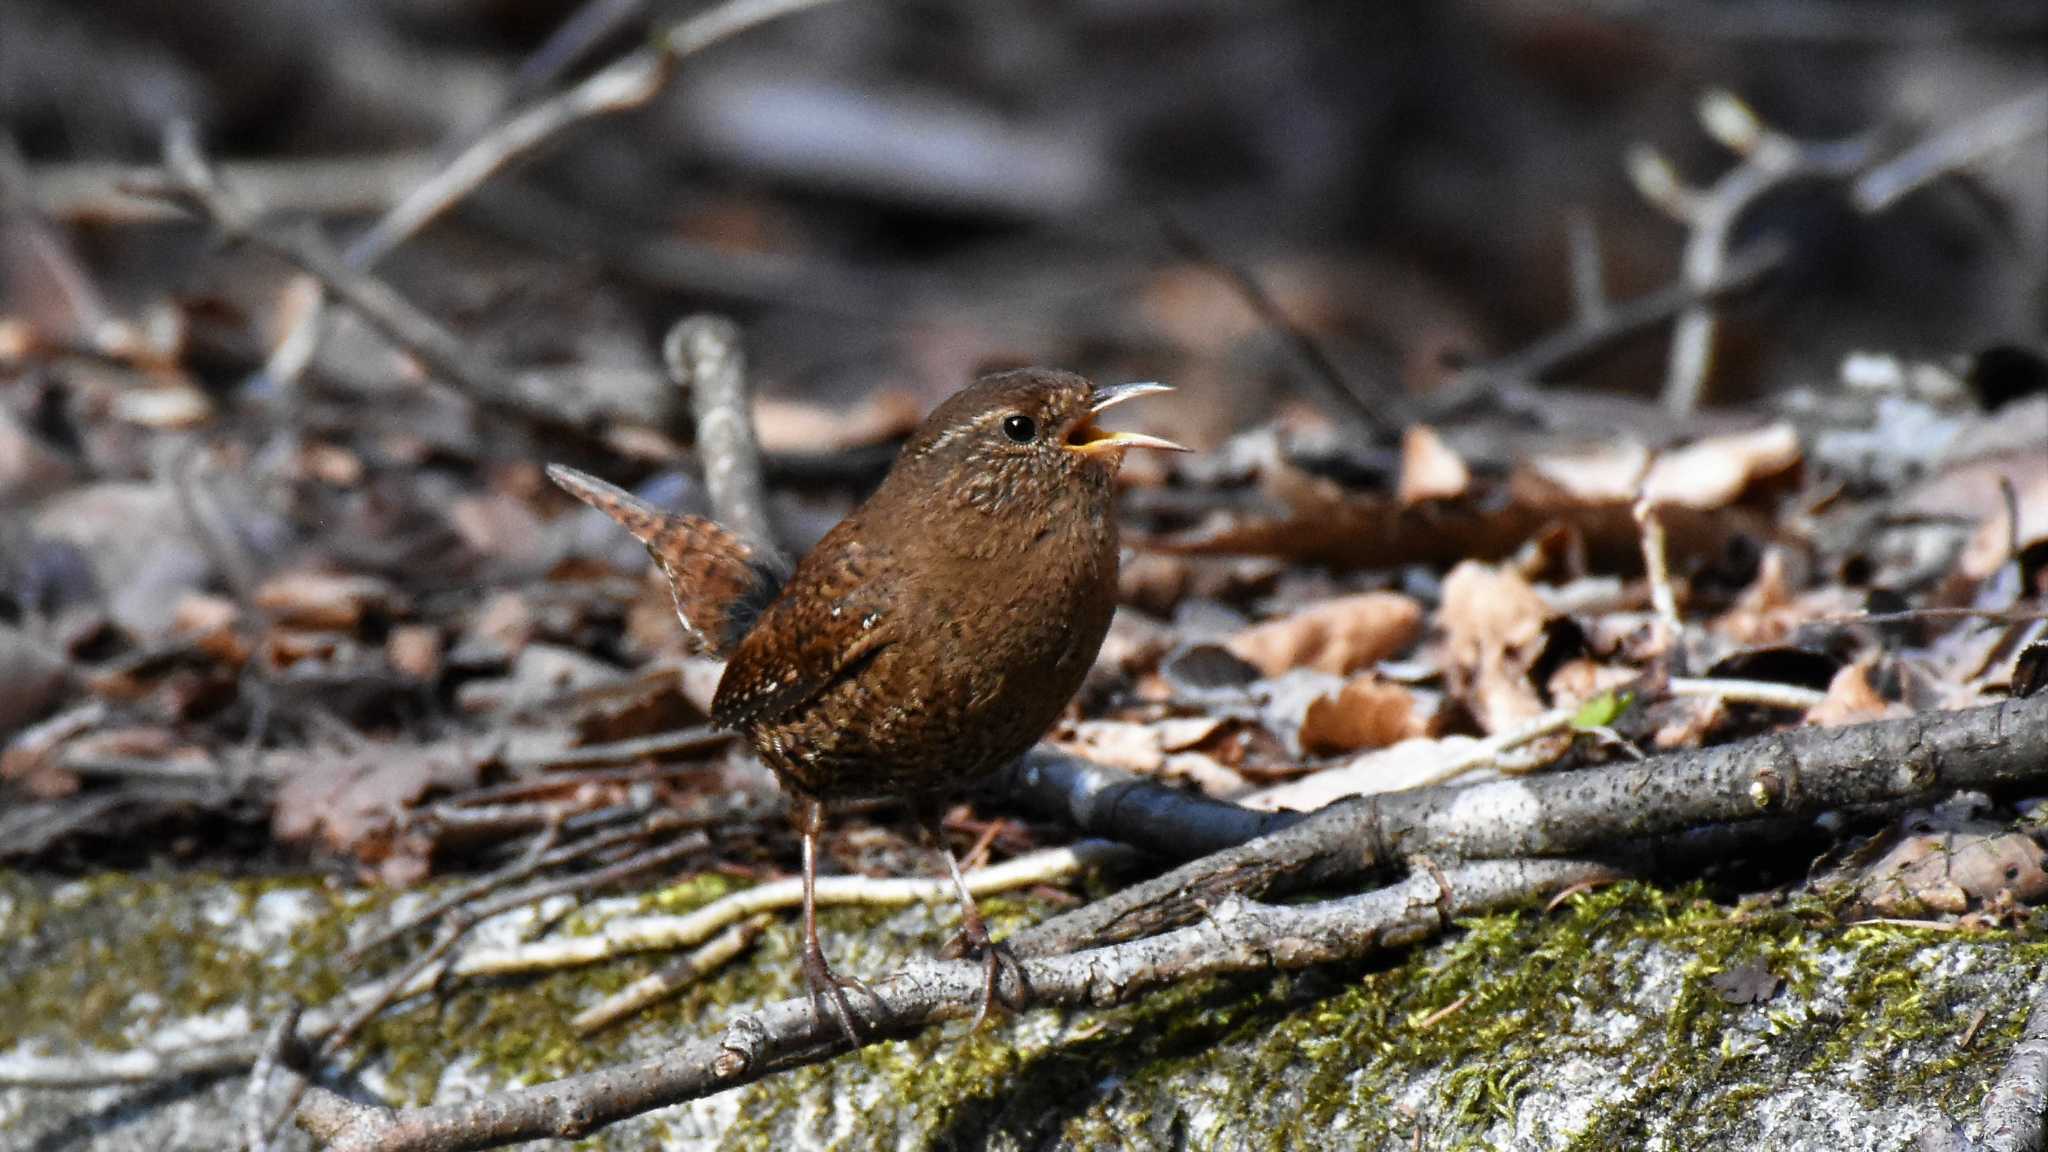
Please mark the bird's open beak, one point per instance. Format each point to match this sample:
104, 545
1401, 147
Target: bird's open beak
1089, 438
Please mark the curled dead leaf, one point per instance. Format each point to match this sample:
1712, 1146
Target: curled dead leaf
1851, 700
1493, 625
789, 426
1718, 471
1337, 636
325, 600
1430, 470
1366, 713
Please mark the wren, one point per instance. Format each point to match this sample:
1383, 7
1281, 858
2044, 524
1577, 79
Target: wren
932, 636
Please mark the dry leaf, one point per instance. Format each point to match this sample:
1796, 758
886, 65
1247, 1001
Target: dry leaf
1134, 747
1977, 489
1429, 469
790, 426
1493, 624
1950, 867
414, 651
1408, 764
1602, 474
325, 600
1717, 471
1366, 713
1338, 636
357, 806
1851, 700
32, 678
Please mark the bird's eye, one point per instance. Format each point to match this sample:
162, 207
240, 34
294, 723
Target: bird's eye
1022, 429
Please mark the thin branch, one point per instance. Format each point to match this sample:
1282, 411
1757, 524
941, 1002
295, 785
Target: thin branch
1239, 936
626, 83
1952, 149
1345, 399
1747, 267
705, 358
672, 978
651, 933
1769, 161
1795, 773
191, 184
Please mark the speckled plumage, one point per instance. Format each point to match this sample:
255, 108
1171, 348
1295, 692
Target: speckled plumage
934, 634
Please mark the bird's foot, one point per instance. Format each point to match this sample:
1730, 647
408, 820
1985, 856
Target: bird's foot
1001, 962
828, 993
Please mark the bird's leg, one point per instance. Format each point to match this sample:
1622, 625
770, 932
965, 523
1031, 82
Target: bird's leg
974, 939
828, 988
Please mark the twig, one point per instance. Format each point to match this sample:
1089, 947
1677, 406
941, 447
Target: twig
257, 1128
1747, 267
1764, 693
672, 978
1657, 569
1956, 147
649, 933
191, 184
704, 357
1590, 305
681, 742
1345, 399
1239, 936
542, 857
1794, 773
1491, 749
1769, 160
626, 83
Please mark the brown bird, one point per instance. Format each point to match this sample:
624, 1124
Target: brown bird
934, 634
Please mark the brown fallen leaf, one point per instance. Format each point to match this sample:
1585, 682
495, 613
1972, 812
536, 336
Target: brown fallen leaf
1366, 713
1429, 469
326, 601
1493, 625
1851, 700
1718, 471
1137, 747
790, 426
356, 806
32, 678
414, 651
1338, 636
1600, 474
1947, 866
30, 759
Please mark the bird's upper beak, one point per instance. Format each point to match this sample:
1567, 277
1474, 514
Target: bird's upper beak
1089, 438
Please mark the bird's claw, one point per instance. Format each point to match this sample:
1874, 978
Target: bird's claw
974, 941
828, 994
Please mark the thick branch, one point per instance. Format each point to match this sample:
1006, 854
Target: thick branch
1797, 773
1240, 936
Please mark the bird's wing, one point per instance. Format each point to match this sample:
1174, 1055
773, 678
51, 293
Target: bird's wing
719, 581
828, 625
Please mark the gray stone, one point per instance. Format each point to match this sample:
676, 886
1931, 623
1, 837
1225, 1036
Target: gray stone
1597, 1026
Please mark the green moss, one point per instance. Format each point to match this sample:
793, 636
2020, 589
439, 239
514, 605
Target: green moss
103, 962
1459, 1034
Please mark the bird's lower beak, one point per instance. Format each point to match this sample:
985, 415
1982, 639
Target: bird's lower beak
1089, 438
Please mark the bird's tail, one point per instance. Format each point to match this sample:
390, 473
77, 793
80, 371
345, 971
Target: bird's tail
720, 582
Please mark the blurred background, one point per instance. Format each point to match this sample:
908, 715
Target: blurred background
272, 422
898, 195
